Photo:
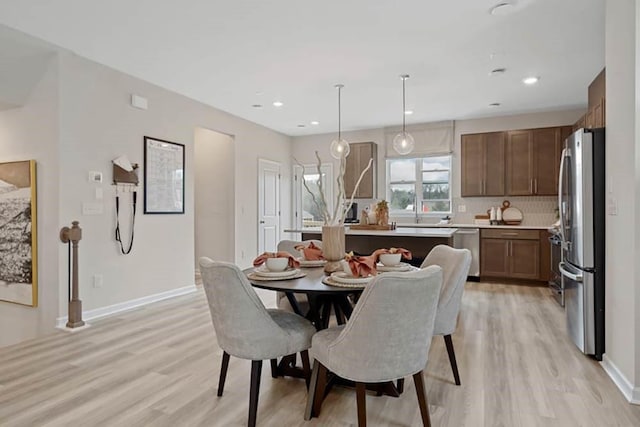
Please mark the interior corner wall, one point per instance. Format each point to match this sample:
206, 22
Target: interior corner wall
621, 330
214, 196
31, 132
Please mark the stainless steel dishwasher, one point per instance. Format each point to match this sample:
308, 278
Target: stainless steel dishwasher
469, 238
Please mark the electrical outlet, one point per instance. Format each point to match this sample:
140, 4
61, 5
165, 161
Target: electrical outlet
98, 280
462, 208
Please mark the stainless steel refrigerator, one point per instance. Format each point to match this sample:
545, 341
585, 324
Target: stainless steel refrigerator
581, 197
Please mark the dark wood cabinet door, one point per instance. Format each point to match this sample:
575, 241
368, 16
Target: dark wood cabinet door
494, 164
472, 165
546, 155
524, 259
519, 163
357, 161
494, 257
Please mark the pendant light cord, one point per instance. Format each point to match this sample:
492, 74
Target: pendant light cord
339, 114
404, 110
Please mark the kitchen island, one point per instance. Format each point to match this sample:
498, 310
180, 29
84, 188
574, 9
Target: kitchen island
418, 240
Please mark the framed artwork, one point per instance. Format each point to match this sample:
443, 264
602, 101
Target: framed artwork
163, 177
18, 236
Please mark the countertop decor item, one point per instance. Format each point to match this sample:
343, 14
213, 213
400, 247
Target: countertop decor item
382, 212
403, 142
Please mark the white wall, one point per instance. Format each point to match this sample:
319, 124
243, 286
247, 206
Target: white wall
622, 274
214, 195
77, 120
31, 132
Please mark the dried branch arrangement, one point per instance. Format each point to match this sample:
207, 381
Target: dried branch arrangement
340, 209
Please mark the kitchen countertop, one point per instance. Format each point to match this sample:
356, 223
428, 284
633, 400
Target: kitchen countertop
444, 232
524, 227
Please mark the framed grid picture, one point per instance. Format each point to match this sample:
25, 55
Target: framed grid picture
163, 176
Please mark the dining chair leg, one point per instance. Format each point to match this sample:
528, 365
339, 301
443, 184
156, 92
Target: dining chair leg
418, 380
400, 385
361, 397
223, 372
452, 358
306, 366
274, 368
256, 371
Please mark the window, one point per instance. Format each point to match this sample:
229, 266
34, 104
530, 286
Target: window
307, 213
428, 178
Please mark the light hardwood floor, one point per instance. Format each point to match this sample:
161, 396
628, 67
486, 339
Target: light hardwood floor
158, 366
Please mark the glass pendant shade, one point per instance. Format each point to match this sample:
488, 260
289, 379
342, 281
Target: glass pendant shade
339, 148
403, 143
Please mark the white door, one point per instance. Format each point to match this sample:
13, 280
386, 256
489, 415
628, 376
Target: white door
268, 205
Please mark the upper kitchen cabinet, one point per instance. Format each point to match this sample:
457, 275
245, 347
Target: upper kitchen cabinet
533, 161
357, 161
483, 164
596, 111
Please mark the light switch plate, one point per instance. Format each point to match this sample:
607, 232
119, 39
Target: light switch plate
612, 206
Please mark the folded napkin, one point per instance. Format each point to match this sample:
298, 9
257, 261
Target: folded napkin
361, 266
293, 263
311, 252
406, 254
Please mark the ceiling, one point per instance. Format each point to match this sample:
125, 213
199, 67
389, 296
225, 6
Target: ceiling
234, 54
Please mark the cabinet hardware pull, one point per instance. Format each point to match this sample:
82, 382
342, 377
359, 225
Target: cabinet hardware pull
535, 182
509, 234
531, 186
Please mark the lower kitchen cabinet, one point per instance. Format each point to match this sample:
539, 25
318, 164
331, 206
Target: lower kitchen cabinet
513, 254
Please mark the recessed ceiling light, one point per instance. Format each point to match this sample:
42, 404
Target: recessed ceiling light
494, 104
302, 126
315, 123
497, 71
408, 112
257, 105
501, 8
277, 103
530, 80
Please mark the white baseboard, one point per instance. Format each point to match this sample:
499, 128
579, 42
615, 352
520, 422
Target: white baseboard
127, 305
631, 393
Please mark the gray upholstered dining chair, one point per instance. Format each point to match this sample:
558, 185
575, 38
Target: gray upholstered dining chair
281, 299
387, 337
246, 329
455, 268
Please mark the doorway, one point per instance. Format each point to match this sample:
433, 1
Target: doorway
214, 196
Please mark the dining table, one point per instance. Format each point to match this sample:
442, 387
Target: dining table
322, 299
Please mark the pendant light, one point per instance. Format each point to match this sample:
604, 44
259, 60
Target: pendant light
403, 142
339, 147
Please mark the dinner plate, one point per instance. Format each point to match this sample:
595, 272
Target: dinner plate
253, 276
264, 272
403, 266
342, 277
311, 262
329, 281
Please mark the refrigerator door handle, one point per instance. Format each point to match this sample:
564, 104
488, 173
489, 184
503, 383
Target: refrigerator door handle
560, 190
570, 275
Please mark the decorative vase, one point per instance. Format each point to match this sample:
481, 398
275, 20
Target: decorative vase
333, 247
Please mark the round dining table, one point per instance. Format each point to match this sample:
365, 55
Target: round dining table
322, 297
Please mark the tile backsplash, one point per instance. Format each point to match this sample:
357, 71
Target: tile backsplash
536, 211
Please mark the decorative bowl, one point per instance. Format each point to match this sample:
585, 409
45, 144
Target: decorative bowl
277, 264
390, 260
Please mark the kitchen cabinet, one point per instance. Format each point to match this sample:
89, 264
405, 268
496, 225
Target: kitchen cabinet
513, 254
595, 117
482, 164
533, 161
357, 161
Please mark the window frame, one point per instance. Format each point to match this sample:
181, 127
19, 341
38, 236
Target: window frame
299, 189
418, 186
